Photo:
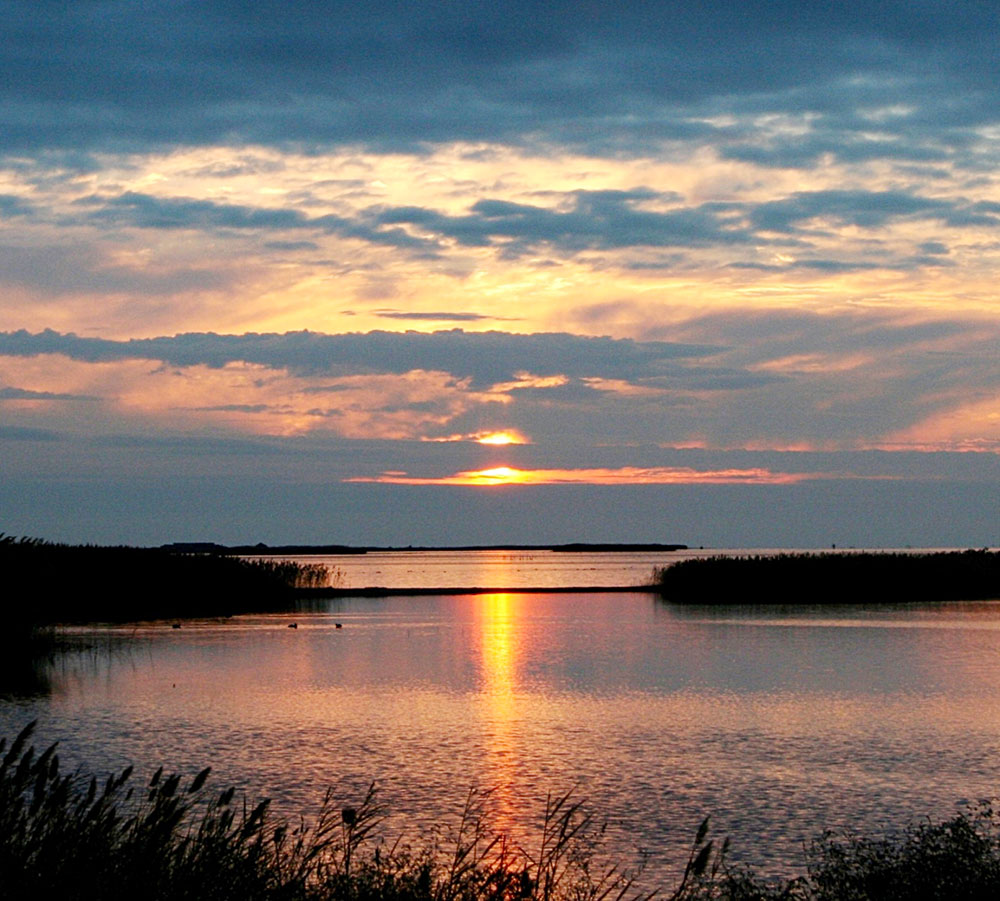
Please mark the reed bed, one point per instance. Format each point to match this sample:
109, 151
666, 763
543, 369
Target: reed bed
57, 583
76, 838
841, 578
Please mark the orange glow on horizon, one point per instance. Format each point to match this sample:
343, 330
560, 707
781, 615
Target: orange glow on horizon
498, 475
627, 475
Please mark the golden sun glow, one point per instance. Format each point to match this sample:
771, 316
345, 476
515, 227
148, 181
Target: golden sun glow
502, 438
626, 475
499, 475
499, 439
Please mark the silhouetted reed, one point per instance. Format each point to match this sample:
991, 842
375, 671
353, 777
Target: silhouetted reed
70, 837
57, 583
843, 578
75, 838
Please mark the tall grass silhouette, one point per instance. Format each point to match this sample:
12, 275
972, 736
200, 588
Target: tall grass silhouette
843, 578
47, 582
66, 836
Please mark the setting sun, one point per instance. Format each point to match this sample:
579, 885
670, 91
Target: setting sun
498, 475
501, 438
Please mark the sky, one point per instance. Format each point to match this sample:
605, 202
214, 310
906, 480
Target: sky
449, 272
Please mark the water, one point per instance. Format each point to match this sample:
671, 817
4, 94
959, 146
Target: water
778, 723
507, 569
492, 569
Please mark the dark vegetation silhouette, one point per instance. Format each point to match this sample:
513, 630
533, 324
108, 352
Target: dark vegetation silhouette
77, 838
839, 578
73, 837
47, 583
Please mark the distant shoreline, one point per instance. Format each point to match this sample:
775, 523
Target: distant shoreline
334, 550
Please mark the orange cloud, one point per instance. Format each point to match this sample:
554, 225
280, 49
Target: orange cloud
965, 427
626, 475
248, 398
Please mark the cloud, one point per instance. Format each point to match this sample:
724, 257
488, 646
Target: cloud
487, 358
291, 245
503, 438
579, 221
71, 268
866, 209
139, 210
600, 220
439, 316
402, 75
10, 393
12, 207
235, 408
26, 433
868, 374
789, 331
781, 380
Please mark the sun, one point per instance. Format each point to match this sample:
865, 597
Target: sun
501, 438
498, 475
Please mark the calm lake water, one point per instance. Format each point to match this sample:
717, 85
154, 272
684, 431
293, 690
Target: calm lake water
508, 569
778, 723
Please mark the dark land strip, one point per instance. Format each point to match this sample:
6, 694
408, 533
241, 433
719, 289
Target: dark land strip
335, 550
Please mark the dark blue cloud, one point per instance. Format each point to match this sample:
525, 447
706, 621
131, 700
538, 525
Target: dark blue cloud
12, 206
146, 211
867, 209
584, 220
10, 393
486, 358
317, 73
26, 433
595, 220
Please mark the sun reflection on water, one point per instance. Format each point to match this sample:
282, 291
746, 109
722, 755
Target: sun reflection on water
497, 616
